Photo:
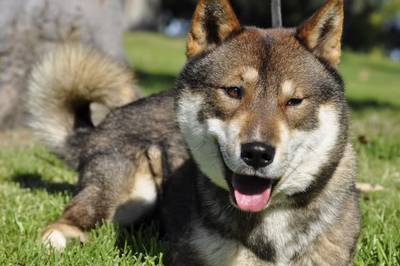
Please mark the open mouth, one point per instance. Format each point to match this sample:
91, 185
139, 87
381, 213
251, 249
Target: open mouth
250, 193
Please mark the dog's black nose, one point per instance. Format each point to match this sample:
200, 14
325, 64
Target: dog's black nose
257, 154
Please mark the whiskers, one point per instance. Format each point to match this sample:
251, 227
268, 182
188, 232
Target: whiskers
300, 151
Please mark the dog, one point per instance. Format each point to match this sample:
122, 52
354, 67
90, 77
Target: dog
248, 159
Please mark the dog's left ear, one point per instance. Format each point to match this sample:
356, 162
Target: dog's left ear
213, 22
322, 33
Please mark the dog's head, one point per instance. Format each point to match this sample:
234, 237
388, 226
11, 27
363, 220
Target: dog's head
262, 110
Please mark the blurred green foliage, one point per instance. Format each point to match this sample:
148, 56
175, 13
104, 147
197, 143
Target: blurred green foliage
366, 23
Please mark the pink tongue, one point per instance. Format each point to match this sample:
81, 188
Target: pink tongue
251, 193
252, 203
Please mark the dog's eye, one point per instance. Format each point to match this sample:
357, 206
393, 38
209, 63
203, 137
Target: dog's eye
234, 92
294, 102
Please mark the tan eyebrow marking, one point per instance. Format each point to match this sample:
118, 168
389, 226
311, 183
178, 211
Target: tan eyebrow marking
288, 88
250, 75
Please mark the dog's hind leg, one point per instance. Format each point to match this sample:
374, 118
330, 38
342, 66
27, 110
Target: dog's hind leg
114, 188
142, 195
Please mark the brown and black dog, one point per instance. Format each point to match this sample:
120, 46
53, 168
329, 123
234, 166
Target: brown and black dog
248, 158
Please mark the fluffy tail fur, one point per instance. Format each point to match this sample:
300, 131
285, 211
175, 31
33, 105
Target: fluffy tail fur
65, 83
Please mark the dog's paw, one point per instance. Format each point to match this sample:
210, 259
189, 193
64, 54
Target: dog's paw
55, 239
57, 235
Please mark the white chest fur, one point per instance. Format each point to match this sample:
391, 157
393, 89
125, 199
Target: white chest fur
218, 251
285, 238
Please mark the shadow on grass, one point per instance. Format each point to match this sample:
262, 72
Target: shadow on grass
36, 182
141, 236
155, 82
362, 105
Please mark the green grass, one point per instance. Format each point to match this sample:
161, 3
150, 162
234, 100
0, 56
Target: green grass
156, 59
35, 186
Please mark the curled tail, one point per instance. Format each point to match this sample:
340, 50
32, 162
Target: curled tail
64, 84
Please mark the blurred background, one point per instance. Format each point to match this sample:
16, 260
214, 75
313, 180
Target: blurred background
369, 23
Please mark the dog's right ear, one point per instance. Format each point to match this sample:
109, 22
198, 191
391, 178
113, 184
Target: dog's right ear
213, 22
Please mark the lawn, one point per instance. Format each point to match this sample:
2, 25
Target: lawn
34, 185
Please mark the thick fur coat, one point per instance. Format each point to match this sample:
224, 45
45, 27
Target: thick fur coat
248, 159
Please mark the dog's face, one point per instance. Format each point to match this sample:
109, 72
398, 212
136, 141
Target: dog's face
262, 110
